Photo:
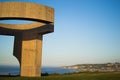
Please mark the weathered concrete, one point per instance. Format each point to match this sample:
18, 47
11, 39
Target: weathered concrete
24, 10
28, 37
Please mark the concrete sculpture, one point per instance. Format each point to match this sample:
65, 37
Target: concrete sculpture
28, 37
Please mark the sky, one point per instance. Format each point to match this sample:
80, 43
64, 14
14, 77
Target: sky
85, 32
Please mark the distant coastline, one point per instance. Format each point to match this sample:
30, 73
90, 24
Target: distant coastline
107, 67
15, 70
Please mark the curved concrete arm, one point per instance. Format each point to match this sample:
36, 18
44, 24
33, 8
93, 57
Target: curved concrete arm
41, 15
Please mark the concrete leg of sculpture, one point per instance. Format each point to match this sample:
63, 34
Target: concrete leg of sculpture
30, 45
18, 47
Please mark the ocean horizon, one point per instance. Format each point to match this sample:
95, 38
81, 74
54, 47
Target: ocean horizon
15, 70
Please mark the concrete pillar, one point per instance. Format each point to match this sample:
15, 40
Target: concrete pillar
28, 50
28, 37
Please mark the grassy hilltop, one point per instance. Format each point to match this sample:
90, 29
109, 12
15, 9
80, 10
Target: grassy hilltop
80, 76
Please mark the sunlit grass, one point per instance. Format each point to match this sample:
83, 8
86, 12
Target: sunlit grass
80, 76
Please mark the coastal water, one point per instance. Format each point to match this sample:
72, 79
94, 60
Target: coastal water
14, 70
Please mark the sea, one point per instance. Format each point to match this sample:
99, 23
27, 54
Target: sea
15, 70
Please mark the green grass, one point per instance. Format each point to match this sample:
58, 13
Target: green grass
80, 76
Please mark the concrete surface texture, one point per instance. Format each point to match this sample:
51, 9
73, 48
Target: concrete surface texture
28, 37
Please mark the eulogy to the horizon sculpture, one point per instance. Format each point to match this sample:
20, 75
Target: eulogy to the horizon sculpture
28, 37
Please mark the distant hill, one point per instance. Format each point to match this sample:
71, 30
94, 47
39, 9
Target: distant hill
107, 67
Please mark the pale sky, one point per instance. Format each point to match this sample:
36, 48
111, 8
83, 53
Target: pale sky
86, 31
